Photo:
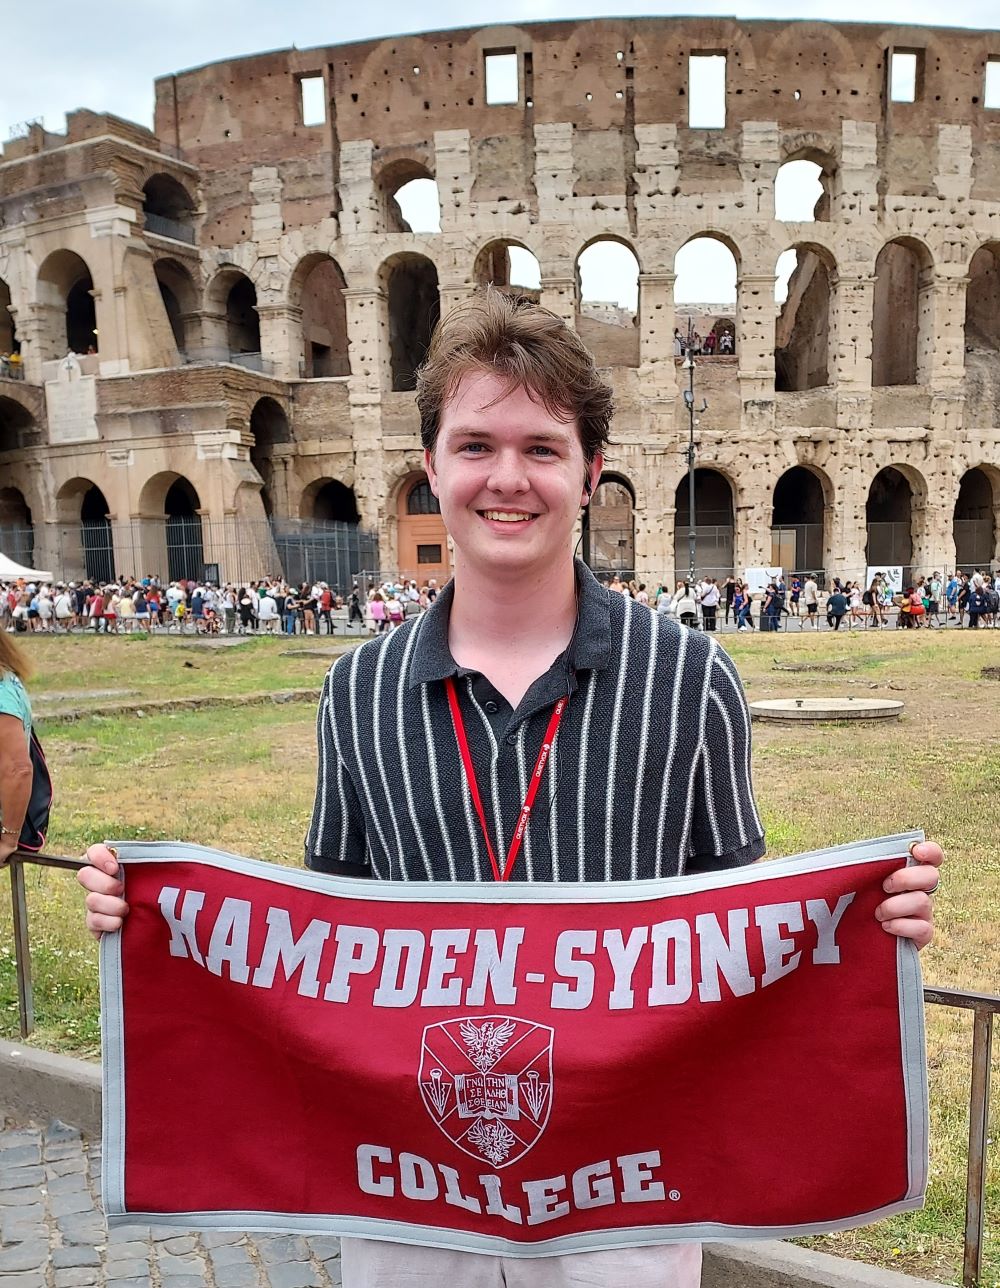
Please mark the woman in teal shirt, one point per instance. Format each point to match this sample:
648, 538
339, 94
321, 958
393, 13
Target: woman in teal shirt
15, 737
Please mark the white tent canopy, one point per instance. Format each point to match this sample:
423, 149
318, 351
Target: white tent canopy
11, 571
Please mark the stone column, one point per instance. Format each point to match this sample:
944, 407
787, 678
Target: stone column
451, 294
852, 299
947, 357
34, 323
281, 339
559, 296
755, 313
848, 525
453, 171
932, 531
657, 372
368, 335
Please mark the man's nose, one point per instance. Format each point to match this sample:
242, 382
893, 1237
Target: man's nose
508, 473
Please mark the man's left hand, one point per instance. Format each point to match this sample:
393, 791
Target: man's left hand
908, 912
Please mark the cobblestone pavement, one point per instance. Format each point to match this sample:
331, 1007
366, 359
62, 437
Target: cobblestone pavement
52, 1231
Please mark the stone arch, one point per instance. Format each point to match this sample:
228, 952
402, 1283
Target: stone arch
180, 301
168, 208
804, 183
17, 532
707, 255
421, 537
232, 321
327, 500
976, 519
85, 532
9, 342
903, 313
413, 306
17, 425
895, 495
269, 427
609, 525
714, 523
982, 300
509, 266
802, 328
391, 180
801, 519
65, 300
607, 300
317, 289
172, 520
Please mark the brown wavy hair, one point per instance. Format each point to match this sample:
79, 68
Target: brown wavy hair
532, 348
12, 659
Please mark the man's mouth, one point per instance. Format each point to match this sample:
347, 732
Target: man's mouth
507, 516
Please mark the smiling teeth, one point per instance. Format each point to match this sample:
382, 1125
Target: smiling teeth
502, 516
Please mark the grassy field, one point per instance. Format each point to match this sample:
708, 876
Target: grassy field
243, 777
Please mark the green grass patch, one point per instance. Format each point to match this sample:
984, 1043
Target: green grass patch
242, 778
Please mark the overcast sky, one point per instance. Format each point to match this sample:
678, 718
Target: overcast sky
60, 55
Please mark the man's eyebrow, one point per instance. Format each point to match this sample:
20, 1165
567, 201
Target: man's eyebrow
542, 436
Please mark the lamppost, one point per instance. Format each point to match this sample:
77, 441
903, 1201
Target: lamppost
688, 366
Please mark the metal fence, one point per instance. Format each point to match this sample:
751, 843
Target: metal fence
984, 1007
165, 227
191, 548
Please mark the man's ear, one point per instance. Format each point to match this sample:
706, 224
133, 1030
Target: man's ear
429, 468
594, 472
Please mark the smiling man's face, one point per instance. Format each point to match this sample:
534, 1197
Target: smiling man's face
509, 476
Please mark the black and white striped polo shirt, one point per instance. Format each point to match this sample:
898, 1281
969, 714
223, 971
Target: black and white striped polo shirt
649, 775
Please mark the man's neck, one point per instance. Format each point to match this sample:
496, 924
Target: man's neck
512, 631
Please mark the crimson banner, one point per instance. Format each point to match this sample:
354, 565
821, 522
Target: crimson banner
512, 1069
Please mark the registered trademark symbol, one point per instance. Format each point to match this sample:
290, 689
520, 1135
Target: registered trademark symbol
674, 1195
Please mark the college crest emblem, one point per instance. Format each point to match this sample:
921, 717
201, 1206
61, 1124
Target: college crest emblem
486, 1081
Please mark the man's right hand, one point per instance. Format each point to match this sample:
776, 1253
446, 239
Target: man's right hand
106, 909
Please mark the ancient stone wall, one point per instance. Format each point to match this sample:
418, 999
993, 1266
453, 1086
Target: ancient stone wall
280, 268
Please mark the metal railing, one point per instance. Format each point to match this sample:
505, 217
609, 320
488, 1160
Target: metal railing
984, 1007
163, 226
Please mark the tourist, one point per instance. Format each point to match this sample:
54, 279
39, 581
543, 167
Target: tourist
772, 608
519, 615
795, 594
16, 773
377, 612
267, 612
836, 606
709, 604
743, 603
858, 609
810, 593
686, 606
977, 605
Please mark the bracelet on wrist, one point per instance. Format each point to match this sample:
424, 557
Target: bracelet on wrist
10, 831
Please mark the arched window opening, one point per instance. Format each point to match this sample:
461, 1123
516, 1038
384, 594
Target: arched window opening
422, 541
177, 291
269, 427
713, 525
168, 208
334, 502
421, 500
797, 522
705, 287
414, 309
17, 426
8, 341
17, 535
902, 314
408, 198
509, 268
609, 527
324, 318
889, 516
242, 322
802, 192
607, 311
802, 328
95, 536
975, 521
185, 546
982, 301
66, 306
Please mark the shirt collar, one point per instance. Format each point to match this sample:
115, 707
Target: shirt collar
589, 649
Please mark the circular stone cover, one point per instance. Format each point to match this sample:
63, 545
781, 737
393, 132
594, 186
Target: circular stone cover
826, 709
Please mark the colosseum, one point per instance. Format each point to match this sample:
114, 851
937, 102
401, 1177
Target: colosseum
209, 332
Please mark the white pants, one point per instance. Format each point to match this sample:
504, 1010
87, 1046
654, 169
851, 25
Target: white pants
368, 1263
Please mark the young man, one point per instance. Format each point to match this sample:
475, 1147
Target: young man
648, 774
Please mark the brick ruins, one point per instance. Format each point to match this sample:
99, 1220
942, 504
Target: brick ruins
257, 304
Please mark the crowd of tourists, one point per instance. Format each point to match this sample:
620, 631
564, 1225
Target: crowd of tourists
268, 606
273, 606
969, 600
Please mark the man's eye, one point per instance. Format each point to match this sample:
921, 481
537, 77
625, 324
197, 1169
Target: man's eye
542, 450
473, 447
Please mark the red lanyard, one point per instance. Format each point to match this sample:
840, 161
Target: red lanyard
536, 778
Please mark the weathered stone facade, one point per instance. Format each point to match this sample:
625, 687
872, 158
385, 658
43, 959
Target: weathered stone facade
259, 304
